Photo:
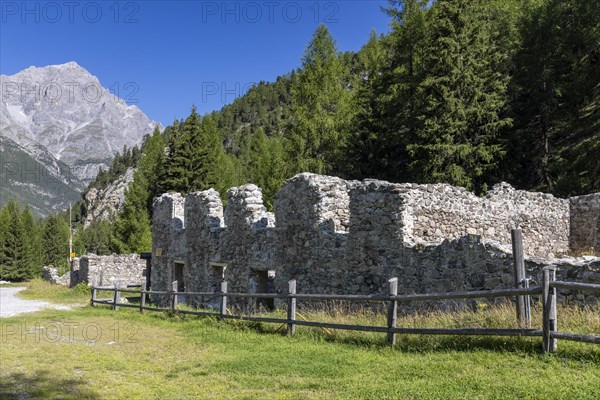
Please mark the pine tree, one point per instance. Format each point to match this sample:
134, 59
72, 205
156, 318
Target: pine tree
556, 87
177, 164
321, 107
133, 231
266, 165
99, 238
365, 156
207, 154
14, 262
56, 243
33, 261
4, 224
464, 97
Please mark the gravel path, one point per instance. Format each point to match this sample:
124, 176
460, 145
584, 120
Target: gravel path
11, 305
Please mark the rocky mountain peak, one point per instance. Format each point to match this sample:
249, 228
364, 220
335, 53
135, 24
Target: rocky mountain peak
62, 118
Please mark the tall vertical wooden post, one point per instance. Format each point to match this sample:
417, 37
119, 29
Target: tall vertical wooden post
174, 287
519, 266
291, 307
142, 300
93, 297
392, 311
117, 297
549, 309
223, 308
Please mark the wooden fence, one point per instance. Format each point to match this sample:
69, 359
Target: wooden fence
549, 331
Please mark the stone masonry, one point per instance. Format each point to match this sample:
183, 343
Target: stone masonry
350, 237
122, 269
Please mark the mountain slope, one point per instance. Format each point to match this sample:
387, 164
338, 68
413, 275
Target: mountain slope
42, 182
60, 120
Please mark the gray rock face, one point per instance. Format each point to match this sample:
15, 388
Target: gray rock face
66, 110
104, 205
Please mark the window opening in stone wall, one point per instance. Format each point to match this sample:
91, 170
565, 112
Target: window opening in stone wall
217, 275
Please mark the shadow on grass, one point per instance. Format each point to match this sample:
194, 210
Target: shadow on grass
42, 385
531, 346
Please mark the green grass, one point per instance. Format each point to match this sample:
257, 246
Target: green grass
51, 354
38, 289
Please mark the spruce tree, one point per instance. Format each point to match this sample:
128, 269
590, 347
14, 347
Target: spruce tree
177, 164
56, 243
14, 258
133, 231
4, 224
207, 154
33, 261
464, 97
556, 90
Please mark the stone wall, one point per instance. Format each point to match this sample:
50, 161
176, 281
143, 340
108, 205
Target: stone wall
337, 236
585, 224
439, 212
123, 269
168, 240
51, 275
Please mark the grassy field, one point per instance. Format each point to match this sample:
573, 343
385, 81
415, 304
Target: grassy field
95, 353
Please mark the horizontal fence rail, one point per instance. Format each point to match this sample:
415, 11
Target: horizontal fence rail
582, 287
549, 331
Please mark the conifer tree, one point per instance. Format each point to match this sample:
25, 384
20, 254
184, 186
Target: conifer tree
464, 96
556, 90
56, 243
14, 262
133, 232
207, 154
33, 261
266, 165
177, 165
4, 222
321, 107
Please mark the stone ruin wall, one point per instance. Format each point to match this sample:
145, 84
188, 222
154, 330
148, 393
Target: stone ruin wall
350, 237
93, 270
122, 269
445, 212
585, 224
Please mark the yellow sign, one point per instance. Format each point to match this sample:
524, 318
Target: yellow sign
72, 255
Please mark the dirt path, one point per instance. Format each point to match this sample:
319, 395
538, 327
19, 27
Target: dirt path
11, 305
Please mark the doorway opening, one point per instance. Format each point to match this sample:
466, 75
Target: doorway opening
262, 281
178, 275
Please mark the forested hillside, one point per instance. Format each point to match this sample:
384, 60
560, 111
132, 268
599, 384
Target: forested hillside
465, 92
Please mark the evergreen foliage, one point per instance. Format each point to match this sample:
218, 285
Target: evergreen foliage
320, 106
20, 244
55, 240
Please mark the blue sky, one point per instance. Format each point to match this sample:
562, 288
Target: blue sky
165, 56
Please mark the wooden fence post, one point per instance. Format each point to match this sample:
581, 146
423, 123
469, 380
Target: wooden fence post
93, 296
174, 296
291, 307
392, 311
519, 265
527, 303
143, 300
223, 307
117, 297
549, 309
